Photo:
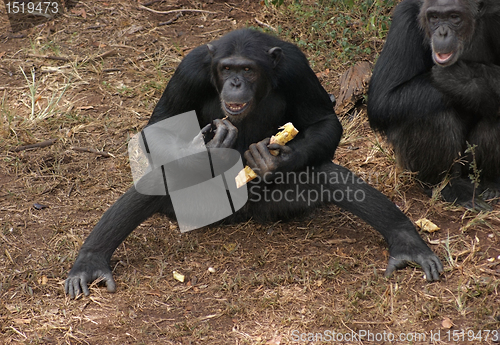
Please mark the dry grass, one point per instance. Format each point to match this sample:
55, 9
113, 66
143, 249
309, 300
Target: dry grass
323, 272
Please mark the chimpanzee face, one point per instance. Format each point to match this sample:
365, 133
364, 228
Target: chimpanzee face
240, 78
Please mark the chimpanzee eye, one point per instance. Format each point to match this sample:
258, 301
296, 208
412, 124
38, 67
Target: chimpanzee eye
247, 69
226, 68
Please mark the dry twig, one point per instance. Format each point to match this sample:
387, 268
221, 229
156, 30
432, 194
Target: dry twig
265, 25
175, 11
85, 149
37, 145
67, 59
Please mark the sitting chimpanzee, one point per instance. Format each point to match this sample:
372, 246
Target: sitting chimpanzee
435, 94
259, 83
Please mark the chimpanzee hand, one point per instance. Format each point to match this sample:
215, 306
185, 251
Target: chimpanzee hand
263, 162
225, 134
412, 249
87, 268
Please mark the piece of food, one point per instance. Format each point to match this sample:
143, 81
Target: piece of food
288, 133
178, 276
427, 225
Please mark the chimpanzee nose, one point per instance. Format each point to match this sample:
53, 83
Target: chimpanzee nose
442, 31
235, 82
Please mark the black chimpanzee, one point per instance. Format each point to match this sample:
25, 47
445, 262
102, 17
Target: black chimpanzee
259, 83
435, 94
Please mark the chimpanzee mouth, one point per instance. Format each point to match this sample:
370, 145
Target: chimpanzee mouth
443, 58
235, 108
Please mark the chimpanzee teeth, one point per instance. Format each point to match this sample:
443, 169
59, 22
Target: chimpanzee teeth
236, 106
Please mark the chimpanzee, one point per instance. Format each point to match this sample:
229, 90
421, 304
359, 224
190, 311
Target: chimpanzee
259, 83
435, 94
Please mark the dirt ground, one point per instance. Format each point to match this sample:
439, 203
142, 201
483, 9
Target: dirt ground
89, 79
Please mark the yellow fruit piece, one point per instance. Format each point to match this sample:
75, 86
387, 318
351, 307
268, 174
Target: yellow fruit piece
288, 133
178, 276
244, 176
427, 225
281, 138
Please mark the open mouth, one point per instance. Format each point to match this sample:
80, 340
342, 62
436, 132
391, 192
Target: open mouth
235, 108
442, 58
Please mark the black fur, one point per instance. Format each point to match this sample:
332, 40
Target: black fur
292, 94
430, 112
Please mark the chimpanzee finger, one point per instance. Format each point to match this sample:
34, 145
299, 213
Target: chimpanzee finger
200, 138
435, 268
220, 134
250, 161
110, 282
77, 285
257, 156
283, 149
231, 136
393, 265
264, 152
265, 141
205, 129
84, 286
68, 288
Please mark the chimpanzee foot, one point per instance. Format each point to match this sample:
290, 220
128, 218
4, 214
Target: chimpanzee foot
87, 268
430, 263
461, 192
491, 192
408, 247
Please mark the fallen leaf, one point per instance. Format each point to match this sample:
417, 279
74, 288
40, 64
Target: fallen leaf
447, 323
323, 74
80, 12
230, 247
427, 225
133, 29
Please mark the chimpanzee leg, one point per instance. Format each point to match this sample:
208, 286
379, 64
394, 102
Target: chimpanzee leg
432, 147
429, 145
130, 210
336, 184
486, 137
364, 201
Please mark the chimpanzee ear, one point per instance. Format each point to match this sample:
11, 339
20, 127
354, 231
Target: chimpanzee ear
275, 53
211, 49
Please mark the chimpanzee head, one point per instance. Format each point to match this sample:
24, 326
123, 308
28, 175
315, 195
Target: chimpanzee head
243, 71
449, 25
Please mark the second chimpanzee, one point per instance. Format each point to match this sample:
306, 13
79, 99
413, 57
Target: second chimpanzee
435, 93
259, 83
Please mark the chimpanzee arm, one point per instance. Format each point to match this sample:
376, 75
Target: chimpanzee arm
188, 89
470, 85
116, 224
310, 109
401, 86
